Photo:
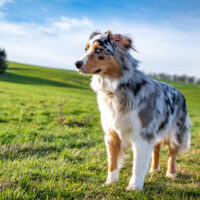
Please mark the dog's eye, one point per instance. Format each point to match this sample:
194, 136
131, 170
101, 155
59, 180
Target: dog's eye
97, 50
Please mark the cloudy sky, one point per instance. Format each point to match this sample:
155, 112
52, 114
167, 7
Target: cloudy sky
53, 33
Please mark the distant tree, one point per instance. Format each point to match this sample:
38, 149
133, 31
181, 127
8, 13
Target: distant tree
161, 76
3, 64
175, 77
183, 78
198, 81
164, 76
191, 79
152, 75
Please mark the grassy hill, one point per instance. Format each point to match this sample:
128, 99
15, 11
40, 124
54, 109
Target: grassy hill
52, 146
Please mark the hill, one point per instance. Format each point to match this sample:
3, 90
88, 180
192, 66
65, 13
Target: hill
52, 146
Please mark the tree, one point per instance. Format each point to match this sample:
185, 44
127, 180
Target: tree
198, 81
183, 78
191, 79
175, 77
164, 76
3, 64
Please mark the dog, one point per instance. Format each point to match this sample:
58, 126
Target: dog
136, 111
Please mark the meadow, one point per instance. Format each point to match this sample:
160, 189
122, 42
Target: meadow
52, 145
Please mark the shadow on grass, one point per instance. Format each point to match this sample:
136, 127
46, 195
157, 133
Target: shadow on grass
15, 68
13, 152
163, 188
15, 78
69, 142
16, 151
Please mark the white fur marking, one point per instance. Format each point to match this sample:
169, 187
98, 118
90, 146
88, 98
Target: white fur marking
112, 177
154, 170
84, 59
169, 175
142, 154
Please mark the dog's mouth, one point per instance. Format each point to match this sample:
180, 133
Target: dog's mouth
97, 71
82, 71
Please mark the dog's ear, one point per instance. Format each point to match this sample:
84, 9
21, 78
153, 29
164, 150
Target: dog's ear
93, 34
122, 40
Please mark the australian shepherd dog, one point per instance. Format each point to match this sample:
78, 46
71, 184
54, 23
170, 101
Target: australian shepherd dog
136, 111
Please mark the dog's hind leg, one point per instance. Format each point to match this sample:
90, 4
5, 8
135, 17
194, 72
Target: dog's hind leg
171, 170
180, 141
113, 145
155, 159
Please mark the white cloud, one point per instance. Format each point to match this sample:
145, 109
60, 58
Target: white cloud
3, 2
12, 29
48, 45
65, 24
60, 42
68, 23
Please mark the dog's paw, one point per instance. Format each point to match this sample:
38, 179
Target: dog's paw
108, 182
152, 171
132, 188
112, 177
170, 175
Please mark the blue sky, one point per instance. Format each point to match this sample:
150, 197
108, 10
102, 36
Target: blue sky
149, 10
53, 33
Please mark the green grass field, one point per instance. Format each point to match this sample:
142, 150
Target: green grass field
52, 146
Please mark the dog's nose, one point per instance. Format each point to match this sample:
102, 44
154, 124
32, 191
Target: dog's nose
78, 64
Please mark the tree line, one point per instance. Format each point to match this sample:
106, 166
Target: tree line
182, 78
160, 76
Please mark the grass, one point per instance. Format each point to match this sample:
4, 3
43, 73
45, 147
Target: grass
52, 147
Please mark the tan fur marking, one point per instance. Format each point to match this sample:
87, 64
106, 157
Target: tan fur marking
95, 45
126, 42
113, 150
172, 160
114, 71
155, 157
87, 46
108, 66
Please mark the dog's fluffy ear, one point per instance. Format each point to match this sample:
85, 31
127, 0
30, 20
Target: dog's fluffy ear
121, 40
93, 34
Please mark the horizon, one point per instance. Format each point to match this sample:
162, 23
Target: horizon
53, 34
196, 79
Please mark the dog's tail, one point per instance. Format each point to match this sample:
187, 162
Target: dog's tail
186, 136
180, 136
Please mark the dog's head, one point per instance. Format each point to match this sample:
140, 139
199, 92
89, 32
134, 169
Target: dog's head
104, 54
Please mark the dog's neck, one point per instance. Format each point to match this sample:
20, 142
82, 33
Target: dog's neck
101, 83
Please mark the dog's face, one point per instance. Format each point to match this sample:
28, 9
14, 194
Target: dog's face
101, 57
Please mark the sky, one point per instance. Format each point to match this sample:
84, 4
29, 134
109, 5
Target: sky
53, 33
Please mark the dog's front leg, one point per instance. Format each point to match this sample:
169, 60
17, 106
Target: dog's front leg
142, 154
112, 141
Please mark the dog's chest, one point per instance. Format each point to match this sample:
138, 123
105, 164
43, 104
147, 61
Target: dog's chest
114, 115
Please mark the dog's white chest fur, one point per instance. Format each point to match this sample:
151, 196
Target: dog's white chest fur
114, 117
